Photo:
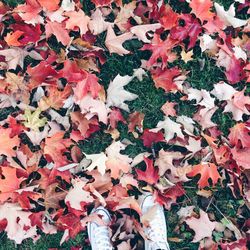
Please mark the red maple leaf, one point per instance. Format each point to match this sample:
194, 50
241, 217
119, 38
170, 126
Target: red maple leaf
190, 29
150, 175
115, 116
164, 78
240, 133
160, 49
151, 137
201, 9
207, 171
88, 84
169, 196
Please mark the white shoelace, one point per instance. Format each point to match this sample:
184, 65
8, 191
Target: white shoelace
102, 238
156, 232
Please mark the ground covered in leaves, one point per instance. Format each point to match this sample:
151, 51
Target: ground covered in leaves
102, 100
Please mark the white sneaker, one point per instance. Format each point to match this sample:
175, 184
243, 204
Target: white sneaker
157, 229
99, 235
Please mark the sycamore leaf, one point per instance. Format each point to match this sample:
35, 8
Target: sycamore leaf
57, 29
207, 171
7, 144
117, 95
77, 197
228, 17
202, 226
77, 19
150, 175
114, 43
32, 119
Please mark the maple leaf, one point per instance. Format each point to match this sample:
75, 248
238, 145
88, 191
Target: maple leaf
16, 56
240, 132
160, 49
12, 38
141, 31
191, 29
207, 171
56, 98
150, 175
49, 5
187, 56
88, 84
77, 196
150, 137
168, 109
228, 17
115, 116
18, 226
7, 143
41, 73
57, 29
9, 183
170, 127
55, 146
202, 226
114, 43
92, 107
117, 162
238, 105
201, 8
29, 12
77, 19
241, 156
97, 24
165, 78
33, 121
135, 121
102, 2
97, 161
117, 95
168, 17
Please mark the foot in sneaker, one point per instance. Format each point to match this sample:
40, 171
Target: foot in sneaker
99, 235
157, 229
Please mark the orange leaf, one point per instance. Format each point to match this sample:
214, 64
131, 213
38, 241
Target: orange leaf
50, 5
12, 38
206, 171
57, 29
240, 132
8, 183
7, 144
201, 8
